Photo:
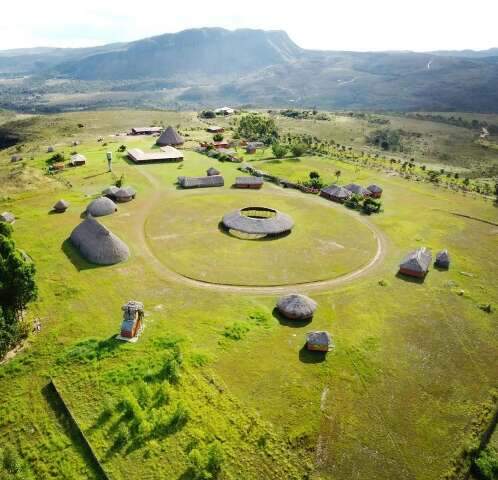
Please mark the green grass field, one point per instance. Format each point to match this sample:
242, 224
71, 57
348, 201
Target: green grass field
394, 399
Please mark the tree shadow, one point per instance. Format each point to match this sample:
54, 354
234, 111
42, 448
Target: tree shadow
286, 322
410, 279
95, 175
311, 356
75, 258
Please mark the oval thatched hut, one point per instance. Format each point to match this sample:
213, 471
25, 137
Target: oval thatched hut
260, 221
97, 244
170, 137
61, 206
296, 307
125, 194
100, 207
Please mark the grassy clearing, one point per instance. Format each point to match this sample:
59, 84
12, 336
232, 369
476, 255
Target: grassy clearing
393, 400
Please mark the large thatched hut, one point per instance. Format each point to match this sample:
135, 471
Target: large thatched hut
101, 206
258, 222
7, 217
61, 206
335, 193
296, 307
416, 263
125, 194
320, 341
170, 137
97, 244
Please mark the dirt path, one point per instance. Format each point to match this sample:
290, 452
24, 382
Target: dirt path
167, 274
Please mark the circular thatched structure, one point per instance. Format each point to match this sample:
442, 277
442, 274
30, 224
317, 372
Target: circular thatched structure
125, 194
110, 191
258, 222
61, 206
97, 244
100, 207
296, 307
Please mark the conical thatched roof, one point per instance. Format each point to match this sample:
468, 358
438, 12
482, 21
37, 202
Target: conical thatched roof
170, 137
61, 206
296, 307
101, 206
97, 244
212, 171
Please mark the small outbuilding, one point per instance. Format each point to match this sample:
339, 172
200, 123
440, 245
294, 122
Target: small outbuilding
357, 190
215, 129
335, 193
61, 206
212, 171
248, 182
125, 194
15, 158
7, 217
296, 307
145, 130
201, 182
320, 341
170, 137
77, 160
416, 263
97, 244
375, 191
133, 317
101, 207
443, 259
50, 149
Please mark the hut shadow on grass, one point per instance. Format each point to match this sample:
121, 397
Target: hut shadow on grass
409, 279
309, 356
286, 322
75, 258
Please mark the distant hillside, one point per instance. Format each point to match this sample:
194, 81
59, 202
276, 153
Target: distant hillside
208, 66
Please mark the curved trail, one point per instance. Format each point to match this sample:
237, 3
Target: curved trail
167, 274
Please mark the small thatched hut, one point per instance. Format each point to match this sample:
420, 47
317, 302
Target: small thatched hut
15, 158
416, 263
335, 193
320, 341
97, 244
296, 307
375, 191
100, 207
248, 182
50, 149
358, 190
61, 206
110, 192
7, 217
125, 194
443, 259
170, 137
212, 171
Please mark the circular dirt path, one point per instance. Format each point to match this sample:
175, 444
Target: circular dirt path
167, 274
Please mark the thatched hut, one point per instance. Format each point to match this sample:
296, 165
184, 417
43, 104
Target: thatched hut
7, 217
15, 158
77, 160
357, 190
50, 149
101, 206
215, 129
146, 130
110, 192
249, 182
296, 307
201, 182
443, 259
133, 315
335, 193
97, 244
320, 341
375, 191
170, 137
125, 194
61, 206
212, 171
416, 263
258, 222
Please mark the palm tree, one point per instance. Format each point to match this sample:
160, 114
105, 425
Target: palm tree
337, 174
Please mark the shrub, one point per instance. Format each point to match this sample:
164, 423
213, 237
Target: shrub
487, 463
206, 461
218, 137
278, 150
258, 127
208, 114
236, 331
120, 181
371, 206
55, 158
122, 148
298, 149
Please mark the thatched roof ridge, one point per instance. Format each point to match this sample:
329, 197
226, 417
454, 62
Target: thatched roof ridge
357, 189
100, 207
417, 261
278, 224
170, 137
296, 306
97, 244
61, 205
125, 193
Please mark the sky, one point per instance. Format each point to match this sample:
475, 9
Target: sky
359, 25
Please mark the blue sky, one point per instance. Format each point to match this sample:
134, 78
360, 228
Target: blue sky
341, 25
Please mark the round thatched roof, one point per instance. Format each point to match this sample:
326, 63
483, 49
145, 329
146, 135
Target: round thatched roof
110, 191
101, 206
258, 220
97, 244
61, 206
124, 194
296, 307
170, 137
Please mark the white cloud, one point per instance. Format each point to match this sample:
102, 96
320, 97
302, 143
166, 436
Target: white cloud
339, 25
